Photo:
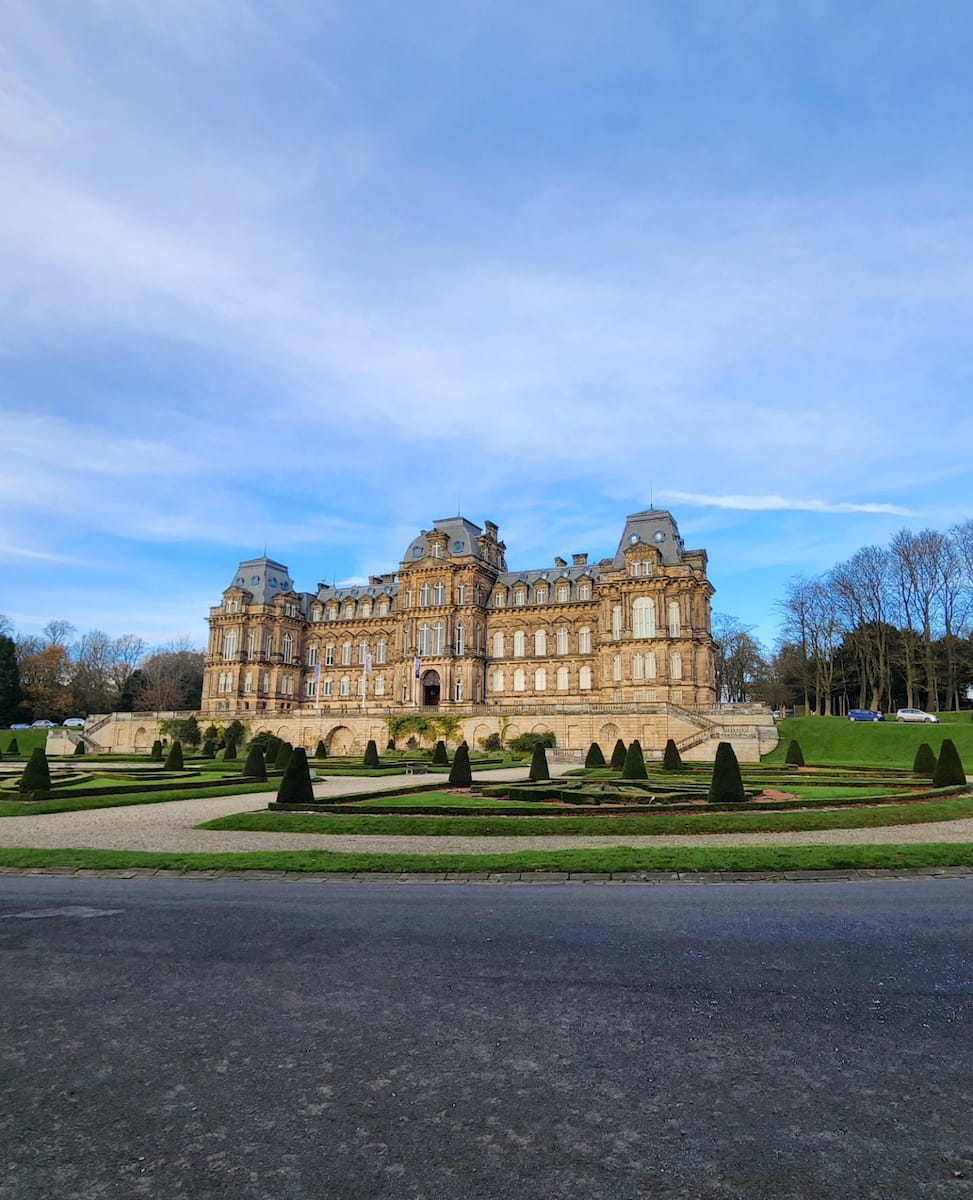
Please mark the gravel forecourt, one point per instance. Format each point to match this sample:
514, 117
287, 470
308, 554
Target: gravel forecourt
168, 827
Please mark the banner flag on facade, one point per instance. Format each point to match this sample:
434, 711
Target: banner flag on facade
418, 666
317, 672
368, 662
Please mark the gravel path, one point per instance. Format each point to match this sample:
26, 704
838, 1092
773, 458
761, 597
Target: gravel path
169, 827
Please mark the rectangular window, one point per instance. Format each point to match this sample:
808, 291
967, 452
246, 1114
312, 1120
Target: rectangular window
461, 594
617, 622
329, 687
380, 651
346, 654
345, 688
312, 688
312, 655
329, 656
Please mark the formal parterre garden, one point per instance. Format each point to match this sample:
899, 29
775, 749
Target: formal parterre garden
826, 774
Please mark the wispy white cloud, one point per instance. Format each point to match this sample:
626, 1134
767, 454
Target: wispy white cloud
783, 504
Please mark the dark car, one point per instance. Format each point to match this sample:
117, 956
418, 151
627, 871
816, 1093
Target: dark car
864, 714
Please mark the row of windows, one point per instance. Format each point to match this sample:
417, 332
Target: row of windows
540, 593
562, 643
642, 666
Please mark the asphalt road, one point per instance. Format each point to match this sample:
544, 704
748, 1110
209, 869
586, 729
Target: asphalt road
191, 1038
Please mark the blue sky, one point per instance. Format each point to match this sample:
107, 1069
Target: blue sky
311, 275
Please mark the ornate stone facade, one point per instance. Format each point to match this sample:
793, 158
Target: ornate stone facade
454, 629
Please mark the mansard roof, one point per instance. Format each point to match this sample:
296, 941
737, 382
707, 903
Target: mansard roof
461, 538
264, 578
656, 527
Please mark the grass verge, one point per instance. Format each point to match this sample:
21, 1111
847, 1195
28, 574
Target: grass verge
20, 808
612, 860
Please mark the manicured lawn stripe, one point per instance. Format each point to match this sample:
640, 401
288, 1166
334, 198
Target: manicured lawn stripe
748, 822
613, 859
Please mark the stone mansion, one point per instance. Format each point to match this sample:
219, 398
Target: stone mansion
452, 628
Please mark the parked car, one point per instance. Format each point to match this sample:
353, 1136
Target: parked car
20, 727
44, 725
916, 716
74, 723
864, 714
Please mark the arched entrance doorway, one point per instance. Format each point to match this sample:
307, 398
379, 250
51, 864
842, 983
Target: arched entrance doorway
430, 689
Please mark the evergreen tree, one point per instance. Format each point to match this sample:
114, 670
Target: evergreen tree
13, 748
460, 774
371, 758
235, 732
634, 767
254, 767
924, 762
209, 749
11, 692
671, 758
35, 783
594, 757
439, 756
283, 756
156, 755
174, 757
949, 770
538, 765
212, 734
726, 785
79, 746
795, 755
272, 748
189, 731
295, 785
322, 749
391, 745
618, 756
229, 754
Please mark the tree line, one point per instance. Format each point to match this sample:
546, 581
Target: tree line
888, 628
59, 674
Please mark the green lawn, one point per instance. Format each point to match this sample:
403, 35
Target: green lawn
596, 826
836, 740
612, 859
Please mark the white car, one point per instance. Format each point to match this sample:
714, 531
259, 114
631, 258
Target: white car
916, 716
74, 723
44, 725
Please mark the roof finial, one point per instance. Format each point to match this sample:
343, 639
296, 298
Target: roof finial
651, 497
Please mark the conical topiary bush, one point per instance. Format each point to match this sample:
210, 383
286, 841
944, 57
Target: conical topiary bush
460, 774
271, 747
230, 752
634, 765
924, 762
371, 755
726, 785
156, 755
209, 749
949, 770
35, 783
618, 756
174, 757
439, 756
391, 744
322, 750
79, 746
295, 785
13, 748
283, 756
795, 755
255, 767
539, 770
671, 758
594, 758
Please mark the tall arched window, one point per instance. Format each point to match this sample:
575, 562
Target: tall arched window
561, 640
650, 671
497, 681
425, 595
643, 617
362, 652
461, 638
617, 622
675, 623
519, 644
540, 642
346, 654
638, 666
439, 593
438, 637
251, 644
381, 650
540, 679
230, 642
520, 680
498, 645
584, 679
675, 665
584, 641
287, 648
562, 679
424, 639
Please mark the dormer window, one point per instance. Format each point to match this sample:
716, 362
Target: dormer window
520, 596
499, 600
584, 591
